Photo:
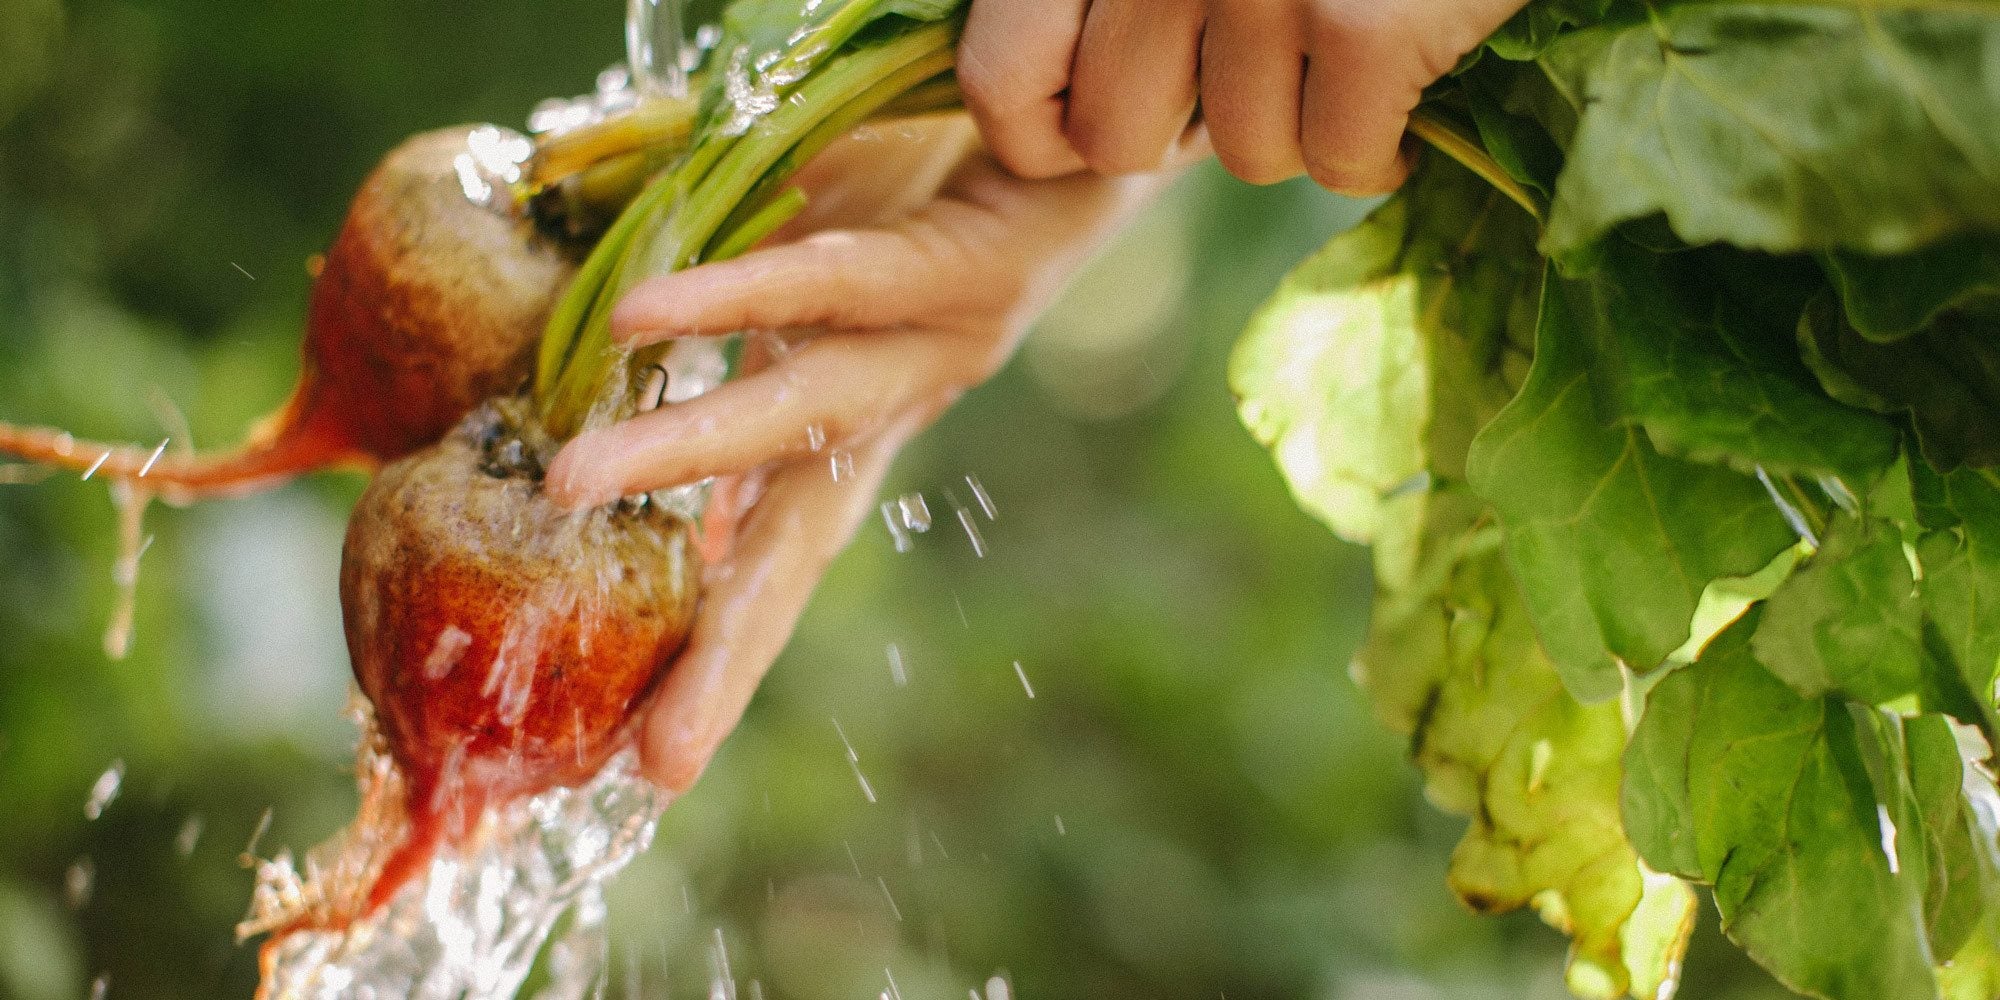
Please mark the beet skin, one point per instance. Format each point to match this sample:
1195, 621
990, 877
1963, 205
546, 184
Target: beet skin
506, 644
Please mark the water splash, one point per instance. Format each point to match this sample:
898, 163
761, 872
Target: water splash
898, 673
470, 928
653, 40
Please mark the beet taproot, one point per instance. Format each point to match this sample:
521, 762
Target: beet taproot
506, 644
426, 304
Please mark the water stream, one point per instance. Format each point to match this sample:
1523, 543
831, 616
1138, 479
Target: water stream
471, 928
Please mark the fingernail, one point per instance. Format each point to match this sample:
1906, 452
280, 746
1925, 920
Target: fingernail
568, 483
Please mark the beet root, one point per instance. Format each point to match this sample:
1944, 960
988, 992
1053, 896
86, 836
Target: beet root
426, 304
507, 645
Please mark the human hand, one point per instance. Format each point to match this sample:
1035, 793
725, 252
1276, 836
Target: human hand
881, 329
1323, 87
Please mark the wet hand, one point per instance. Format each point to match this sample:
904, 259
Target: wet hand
1285, 87
877, 330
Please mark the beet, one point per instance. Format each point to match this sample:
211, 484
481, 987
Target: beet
426, 304
506, 643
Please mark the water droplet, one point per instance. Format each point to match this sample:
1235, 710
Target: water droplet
79, 880
101, 986
722, 985
1061, 830
899, 535
815, 438
916, 513
1023, 675
972, 533
894, 910
190, 835
615, 78
104, 789
841, 462
998, 989
897, 673
984, 499
854, 762
154, 458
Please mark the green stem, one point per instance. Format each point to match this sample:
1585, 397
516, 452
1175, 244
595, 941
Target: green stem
672, 223
765, 221
1813, 511
1454, 140
889, 90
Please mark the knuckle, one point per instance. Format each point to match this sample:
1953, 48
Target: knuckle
1354, 24
1106, 152
988, 88
1259, 169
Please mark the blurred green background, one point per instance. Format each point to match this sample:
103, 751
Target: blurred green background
1194, 802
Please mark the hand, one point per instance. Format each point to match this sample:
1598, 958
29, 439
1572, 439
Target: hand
1323, 87
913, 314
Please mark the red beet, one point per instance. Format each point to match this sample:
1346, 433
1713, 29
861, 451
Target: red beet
506, 644
426, 305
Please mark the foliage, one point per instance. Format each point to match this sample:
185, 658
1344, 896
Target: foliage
1231, 820
1750, 332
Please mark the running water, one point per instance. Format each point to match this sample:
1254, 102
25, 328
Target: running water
472, 926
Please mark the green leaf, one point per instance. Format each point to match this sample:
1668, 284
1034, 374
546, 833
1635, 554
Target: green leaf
1613, 542
1502, 743
1734, 780
1961, 584
1889, 298
1849, 622
1713, 374
1331, 375
1974, 973
1958, 869
1535, 26
1784, 126
1377, 360
1945, 379
1503, 99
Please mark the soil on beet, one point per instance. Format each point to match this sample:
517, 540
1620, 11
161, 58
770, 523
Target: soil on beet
506, 644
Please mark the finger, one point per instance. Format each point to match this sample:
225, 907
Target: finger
1362, 82
841, 279
834, 389
750, 605
967, 257
1252, 65
1368, 65
1014, 65
1133, 89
